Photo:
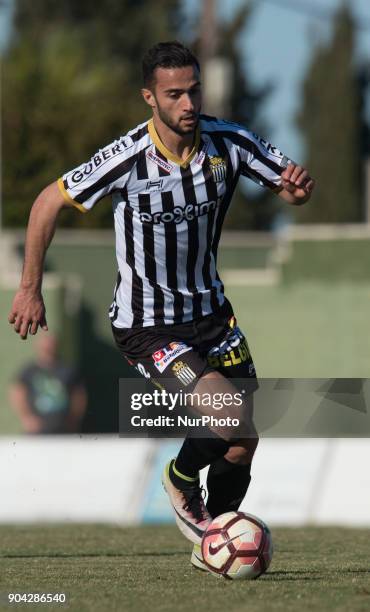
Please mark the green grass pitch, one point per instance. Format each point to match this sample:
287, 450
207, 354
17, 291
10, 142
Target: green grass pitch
103, 568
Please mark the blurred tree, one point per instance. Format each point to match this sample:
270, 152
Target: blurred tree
222, 40
257, 211
331, 123
245, 98
363, 80
70, 85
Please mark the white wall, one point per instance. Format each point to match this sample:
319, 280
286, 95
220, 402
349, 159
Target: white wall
311, 481
106, 479
71, 478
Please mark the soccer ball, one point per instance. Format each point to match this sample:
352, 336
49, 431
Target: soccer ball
237, 545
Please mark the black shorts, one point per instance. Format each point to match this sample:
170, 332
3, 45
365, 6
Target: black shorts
174, 357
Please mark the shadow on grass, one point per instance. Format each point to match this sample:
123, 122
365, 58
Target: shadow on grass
286, 572
309, 574
292, 576
93, 555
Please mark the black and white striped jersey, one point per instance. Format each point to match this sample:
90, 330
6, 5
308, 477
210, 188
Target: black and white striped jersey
168, 215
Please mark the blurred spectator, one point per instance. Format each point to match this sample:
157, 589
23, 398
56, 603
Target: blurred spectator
48, 395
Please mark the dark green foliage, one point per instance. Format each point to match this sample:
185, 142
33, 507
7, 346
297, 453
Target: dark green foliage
331, 124
71, 81
71, 84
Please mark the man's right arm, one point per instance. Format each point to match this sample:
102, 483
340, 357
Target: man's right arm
81, 187
28, 310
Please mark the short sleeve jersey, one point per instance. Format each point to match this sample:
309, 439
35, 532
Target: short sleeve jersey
49, 393
168, 215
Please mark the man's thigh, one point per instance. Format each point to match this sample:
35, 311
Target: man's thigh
213, 363
206, 391
178, 365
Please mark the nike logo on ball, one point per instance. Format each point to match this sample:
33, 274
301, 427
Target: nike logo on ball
213, 550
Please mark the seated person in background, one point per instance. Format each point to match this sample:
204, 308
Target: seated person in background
47, 395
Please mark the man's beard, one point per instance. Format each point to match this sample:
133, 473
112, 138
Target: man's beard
176, 127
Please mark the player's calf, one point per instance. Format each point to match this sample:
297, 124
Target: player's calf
227, 485
241, 452
231, 411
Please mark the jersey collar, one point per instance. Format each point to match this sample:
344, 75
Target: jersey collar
184, 163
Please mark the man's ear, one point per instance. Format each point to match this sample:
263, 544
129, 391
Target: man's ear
148, 97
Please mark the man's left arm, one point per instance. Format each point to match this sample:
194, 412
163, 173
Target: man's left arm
268, 166
296, 185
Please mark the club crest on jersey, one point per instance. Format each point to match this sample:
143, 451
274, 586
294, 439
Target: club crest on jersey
163, 357
183, 372
218, 168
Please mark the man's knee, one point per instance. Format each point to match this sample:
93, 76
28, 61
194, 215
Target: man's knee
242, 451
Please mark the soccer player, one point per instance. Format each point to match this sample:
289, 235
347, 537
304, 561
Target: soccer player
171, 180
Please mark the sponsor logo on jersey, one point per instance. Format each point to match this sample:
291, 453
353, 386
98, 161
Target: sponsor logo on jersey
218, 168
154, 185
183, 372
95, 162
200, 157
160, 162
269, 147
179, 214
167, 354
174, 345
233, 350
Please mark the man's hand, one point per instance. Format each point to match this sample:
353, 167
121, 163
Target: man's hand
296, 184
27, 313
28, 310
